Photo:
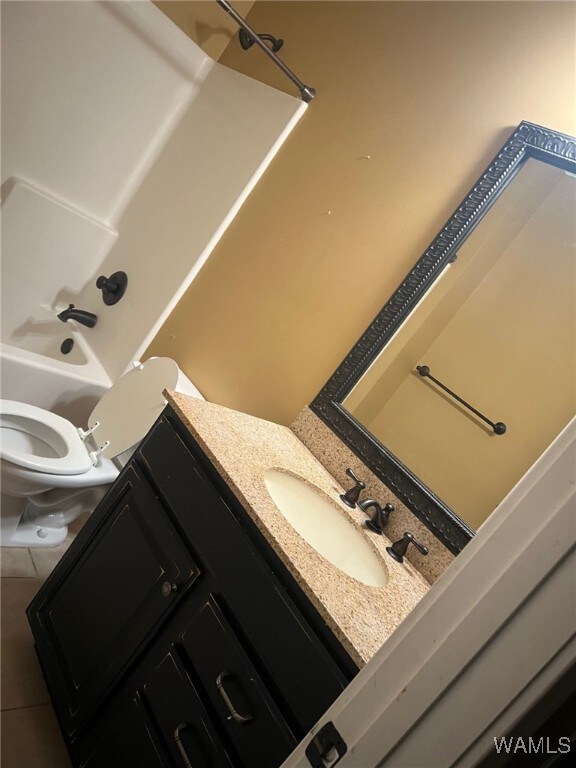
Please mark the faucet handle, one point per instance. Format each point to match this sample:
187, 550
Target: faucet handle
113, 287
380, 516
398, 549
352, 494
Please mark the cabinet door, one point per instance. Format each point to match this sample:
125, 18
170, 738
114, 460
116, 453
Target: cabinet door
129, 742
290, 655
181, 717
93, 617
243, 707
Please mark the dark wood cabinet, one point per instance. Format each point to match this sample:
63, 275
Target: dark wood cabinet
176, 706
171, 635
92, 617
129, 741
244, 709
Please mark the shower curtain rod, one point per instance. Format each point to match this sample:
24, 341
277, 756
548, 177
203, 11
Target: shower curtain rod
306, 92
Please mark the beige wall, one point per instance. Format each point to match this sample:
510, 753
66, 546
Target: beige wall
413, 99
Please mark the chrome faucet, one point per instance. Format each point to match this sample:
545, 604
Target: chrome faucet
81, 316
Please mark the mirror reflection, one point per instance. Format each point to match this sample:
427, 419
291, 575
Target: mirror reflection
498, 329
488, 312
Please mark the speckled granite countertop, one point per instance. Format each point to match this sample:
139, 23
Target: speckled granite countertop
242, 448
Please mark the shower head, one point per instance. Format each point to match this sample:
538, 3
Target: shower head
247, 41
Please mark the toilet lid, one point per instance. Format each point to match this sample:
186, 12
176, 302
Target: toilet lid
132, 405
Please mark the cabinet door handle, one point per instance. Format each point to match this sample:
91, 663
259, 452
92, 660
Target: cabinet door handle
234, 714
177, 732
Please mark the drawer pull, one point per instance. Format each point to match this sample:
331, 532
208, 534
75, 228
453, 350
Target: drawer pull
234, 714
179, 729
168, 588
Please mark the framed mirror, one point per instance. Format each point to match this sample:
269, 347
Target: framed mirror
468, 372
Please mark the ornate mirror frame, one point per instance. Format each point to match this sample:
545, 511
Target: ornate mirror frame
527, 141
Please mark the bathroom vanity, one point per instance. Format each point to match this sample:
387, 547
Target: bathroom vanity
188, 624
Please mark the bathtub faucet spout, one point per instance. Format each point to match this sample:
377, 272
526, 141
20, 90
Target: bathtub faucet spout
81, 316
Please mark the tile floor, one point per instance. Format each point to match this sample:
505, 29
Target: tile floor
30, 737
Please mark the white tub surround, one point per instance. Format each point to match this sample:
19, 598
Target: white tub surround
90, 93
220, 150
35, 223
124, 147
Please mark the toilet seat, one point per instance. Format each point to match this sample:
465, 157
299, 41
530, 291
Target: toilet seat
128, 409
37, 439
40, 440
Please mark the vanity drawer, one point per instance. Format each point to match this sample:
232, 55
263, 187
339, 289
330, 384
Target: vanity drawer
289, 653
180, 715
243, 707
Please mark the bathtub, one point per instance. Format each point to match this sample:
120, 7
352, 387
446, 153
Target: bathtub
70, 385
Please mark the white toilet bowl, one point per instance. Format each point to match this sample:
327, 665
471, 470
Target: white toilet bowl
52, 471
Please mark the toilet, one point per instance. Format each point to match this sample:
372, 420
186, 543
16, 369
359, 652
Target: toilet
53, 471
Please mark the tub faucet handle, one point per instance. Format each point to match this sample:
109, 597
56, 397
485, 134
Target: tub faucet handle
113, 287
352, 494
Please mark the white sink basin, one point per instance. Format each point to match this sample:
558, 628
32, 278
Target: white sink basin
325, 527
